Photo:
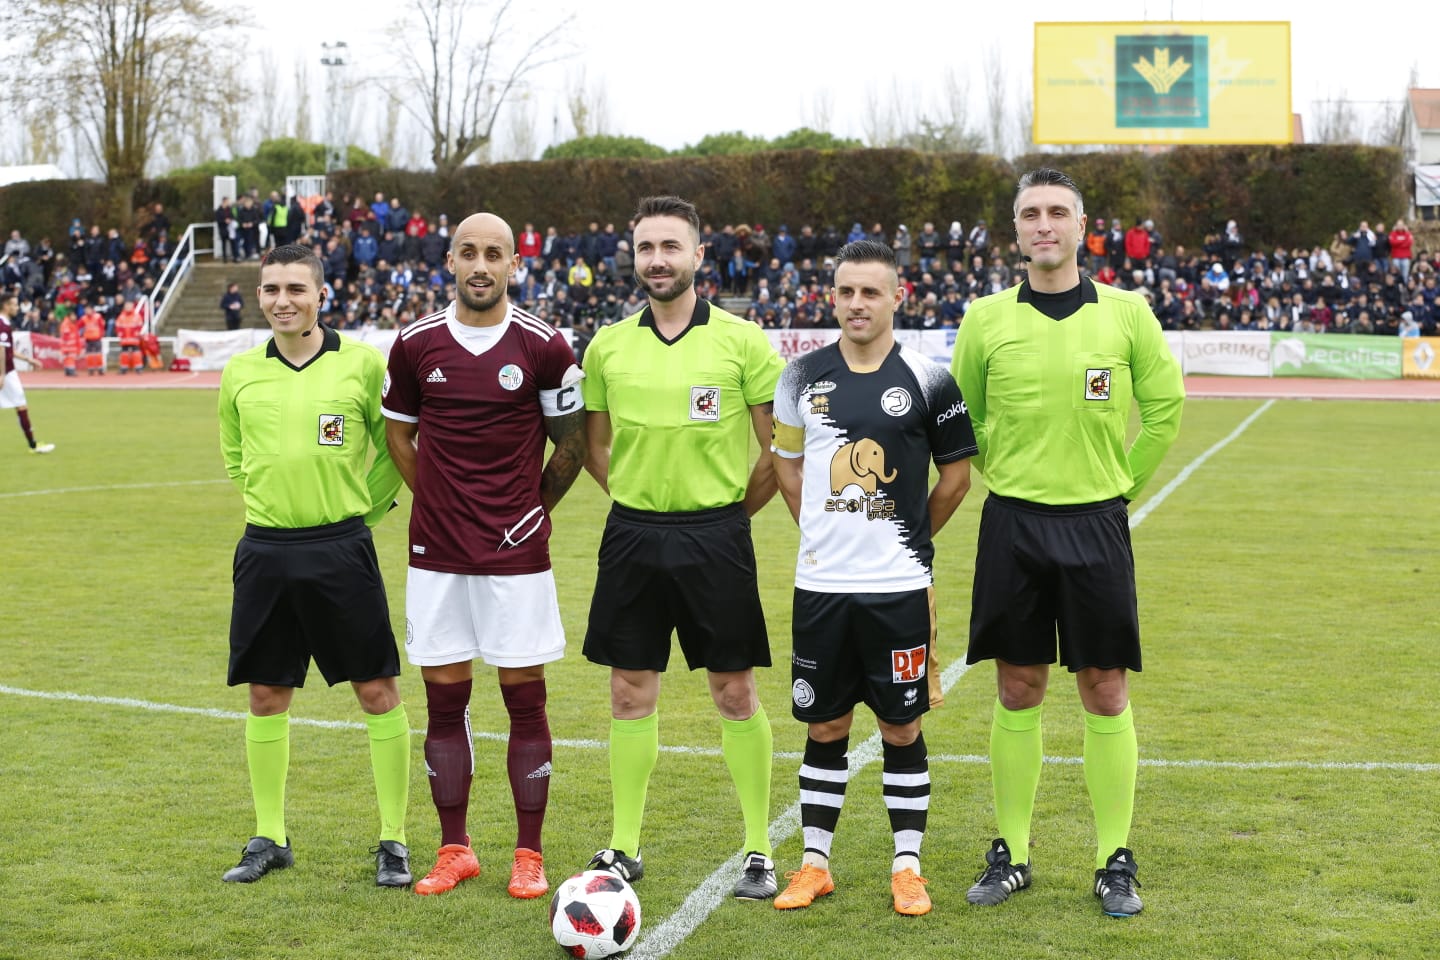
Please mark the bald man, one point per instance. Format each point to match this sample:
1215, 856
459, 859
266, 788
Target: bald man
472, 394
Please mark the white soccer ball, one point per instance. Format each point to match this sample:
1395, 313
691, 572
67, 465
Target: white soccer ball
595, 914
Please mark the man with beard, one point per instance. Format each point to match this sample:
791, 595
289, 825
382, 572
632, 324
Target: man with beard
673, 393
480, 386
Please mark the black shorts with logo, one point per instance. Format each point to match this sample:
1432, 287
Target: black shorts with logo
870, 648
690, 573
309, 592
1043, 571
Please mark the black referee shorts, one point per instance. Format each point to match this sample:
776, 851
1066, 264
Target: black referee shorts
691, 573
309, 592
1046, 570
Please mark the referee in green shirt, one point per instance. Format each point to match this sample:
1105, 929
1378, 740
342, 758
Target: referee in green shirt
1049, 369
673, 394
299, 422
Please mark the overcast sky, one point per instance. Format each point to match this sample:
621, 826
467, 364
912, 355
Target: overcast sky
673, 72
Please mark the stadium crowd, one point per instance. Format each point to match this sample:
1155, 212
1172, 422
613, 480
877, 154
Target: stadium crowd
385, 265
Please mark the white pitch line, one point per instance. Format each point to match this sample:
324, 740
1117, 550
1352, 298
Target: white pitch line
702, 901
113, 486
585, 744
1144, 509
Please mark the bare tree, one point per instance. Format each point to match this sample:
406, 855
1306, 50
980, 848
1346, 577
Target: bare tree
520, 141
588, 105
995, 89
304, 103
822, 111
461, 63
1336, 121
118, 71
268, 109
42, 137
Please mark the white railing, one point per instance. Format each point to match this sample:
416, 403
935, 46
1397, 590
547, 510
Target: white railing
159, 301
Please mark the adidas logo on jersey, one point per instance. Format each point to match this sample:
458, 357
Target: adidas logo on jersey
540, 772
436, 377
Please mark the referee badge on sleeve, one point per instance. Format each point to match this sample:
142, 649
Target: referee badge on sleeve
1097, 384
332, 430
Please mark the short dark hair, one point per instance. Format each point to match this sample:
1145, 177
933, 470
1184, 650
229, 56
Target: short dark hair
1044, 177
668, 206
866, 251
295, 253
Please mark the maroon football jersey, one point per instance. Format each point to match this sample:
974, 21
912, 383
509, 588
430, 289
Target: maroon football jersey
480, 397
7, 344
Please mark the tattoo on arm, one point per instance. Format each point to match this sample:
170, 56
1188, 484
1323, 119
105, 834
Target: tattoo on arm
568, 434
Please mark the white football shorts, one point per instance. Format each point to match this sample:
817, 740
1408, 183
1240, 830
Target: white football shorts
11, 393
506, 621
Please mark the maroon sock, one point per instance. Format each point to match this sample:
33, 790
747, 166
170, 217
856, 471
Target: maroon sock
24, 416
449, 755
528, 758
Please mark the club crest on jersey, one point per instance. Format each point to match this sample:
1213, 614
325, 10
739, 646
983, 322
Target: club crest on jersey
896, 401
1097, 384
511, 377
332, 430
705, 403
907, 666
385, 387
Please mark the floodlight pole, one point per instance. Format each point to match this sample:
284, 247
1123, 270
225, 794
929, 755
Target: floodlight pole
336, 151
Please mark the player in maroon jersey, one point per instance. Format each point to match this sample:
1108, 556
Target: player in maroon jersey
12, 394
471, 395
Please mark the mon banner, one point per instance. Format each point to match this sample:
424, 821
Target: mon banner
1162, 82
1331, 355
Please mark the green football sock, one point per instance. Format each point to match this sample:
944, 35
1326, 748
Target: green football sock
390, 761
747, 748
1111, 758
1016, 755
634, 747
267, 752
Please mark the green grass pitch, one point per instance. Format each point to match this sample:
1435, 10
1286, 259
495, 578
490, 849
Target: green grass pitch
1288, 805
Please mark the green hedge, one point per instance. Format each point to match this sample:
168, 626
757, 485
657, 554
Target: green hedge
1280, 195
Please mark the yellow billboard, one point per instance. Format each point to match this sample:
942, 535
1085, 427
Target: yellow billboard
1162, 82
1418, 359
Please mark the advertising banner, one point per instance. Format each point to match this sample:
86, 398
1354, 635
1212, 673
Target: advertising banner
1236, 353
44, 349
1335, 355
211, 349
1162, 82
1419, 358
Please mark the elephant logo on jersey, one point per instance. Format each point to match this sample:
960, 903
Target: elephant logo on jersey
861, 463
705, 403
332, 430
1097, 384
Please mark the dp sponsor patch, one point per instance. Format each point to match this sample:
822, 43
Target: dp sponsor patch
907, 666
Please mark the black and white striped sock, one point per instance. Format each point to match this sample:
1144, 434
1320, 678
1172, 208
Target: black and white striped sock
906, 783
823, 775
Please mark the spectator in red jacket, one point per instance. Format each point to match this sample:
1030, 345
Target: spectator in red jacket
1137, 244
1402, 249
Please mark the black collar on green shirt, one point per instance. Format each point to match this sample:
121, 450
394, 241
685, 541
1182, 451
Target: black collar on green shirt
699, 317
330, 340
1059, 306
1087, 292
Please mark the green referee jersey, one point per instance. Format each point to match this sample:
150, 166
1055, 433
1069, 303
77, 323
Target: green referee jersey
680, 411
297, 441
1050, 399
